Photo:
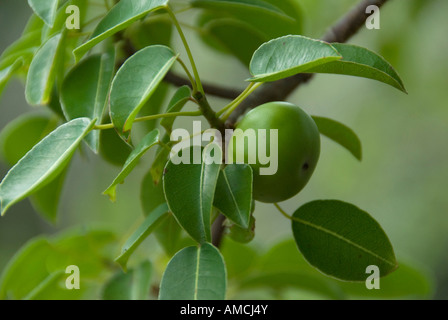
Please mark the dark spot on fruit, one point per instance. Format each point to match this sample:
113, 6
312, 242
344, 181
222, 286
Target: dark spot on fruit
305, 166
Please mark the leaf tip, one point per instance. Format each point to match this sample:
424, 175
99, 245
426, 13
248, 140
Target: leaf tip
111, 192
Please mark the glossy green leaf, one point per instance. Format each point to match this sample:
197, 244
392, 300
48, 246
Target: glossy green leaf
122, 15
289, 55
146, 228
195, 273
190, 188
233, 195
177, 102
7, 73
132, 285
341, 134
42, 72
154, 105
18, 137
85, 89
244, 45
43, 163
135, 82
253, 13
361, 62
341, 240
46, 10
150, 140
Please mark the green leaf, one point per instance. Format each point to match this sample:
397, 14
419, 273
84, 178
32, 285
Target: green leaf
341, 240
233, 195
7, 73
42, 72
195, 273
157, 30
43, 163
242, 46
361, 62
136, 81
177, 102
341, 134
242, 7
46, 10
289, 55
34, 23
189, 191
150, 140
85, 89
16, 140
146, 228
168, 235
112, 148
132, 285
160, 161
151, 194
122, 15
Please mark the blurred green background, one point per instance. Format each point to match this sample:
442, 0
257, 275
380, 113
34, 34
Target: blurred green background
403, 178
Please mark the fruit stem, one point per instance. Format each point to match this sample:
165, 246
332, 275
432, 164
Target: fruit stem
184, 66
228, 110
283, 212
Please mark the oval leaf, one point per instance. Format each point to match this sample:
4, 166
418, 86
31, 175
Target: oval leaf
16, 140
361, 62
341, 134
195, 273
123, 14
341, 240
146, 228
43, 163
233, 195
287, 56
85, 89
243, 46
189, 190
42, 72
150, 140
136, 81
46, 10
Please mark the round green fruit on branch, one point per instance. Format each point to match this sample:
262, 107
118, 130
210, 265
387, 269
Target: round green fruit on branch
292, 147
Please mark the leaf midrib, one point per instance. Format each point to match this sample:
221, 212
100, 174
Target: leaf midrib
348, 241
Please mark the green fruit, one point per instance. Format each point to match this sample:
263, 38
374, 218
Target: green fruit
298, 149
